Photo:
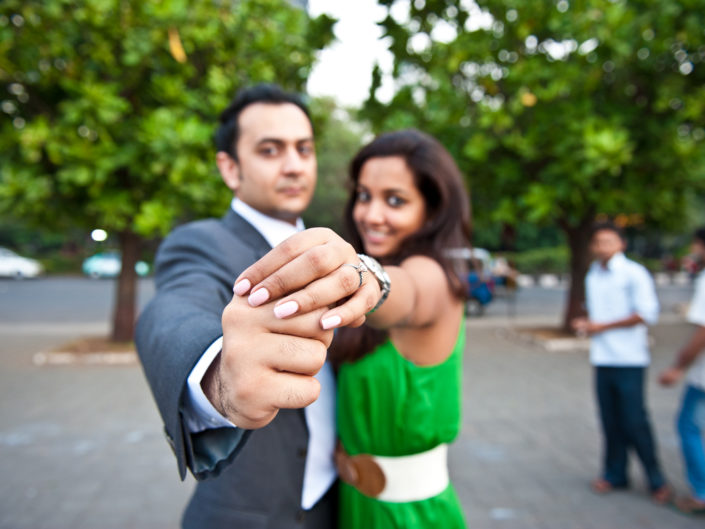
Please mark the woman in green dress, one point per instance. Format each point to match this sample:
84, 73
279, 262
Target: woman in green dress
399, 366
399, 375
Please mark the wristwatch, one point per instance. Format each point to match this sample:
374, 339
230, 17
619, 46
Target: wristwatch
381, 276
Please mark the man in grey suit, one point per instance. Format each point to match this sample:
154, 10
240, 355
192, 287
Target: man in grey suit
229, 378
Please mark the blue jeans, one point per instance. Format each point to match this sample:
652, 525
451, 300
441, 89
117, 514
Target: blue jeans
625, 424
691, 423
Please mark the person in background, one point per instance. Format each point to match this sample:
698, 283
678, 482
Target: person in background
621, 302
691, 419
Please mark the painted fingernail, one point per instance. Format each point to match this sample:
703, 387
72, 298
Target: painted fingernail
258, 297
286, 309
242, 286
330, 322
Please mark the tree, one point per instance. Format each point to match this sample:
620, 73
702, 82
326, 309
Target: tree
338, 138
558, 112
112, 105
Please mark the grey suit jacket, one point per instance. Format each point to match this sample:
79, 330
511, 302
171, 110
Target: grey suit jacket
246, 478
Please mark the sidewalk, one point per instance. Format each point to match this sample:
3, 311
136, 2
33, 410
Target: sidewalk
83, 449
531, 441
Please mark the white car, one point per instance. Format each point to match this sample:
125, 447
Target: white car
109, 264
13, 265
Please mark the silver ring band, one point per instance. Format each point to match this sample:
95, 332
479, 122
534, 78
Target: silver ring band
360, 268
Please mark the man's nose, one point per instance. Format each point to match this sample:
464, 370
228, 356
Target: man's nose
293, 162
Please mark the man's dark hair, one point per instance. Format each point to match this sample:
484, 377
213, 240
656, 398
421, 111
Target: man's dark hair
228, 131
699, 234
607, 226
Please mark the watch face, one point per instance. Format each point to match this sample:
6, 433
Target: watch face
376, 268
381, 276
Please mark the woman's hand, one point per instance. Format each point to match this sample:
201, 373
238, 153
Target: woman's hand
312, 269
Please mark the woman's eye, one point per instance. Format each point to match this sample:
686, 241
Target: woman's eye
395, 202
363, 196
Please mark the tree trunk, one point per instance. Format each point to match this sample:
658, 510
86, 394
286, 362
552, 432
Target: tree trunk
126, 288
508, 238
579, 244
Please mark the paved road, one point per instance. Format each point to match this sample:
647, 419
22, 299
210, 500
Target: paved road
531, 442
62, 299
82, 446
76, 299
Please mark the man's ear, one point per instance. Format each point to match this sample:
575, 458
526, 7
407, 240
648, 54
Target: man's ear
229, 170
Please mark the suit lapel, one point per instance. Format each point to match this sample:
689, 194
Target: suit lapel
246, 232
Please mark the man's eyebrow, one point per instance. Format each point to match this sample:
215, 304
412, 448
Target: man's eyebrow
280, 141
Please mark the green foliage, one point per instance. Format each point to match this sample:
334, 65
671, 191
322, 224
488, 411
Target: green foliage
337, 141
557, 111
112, 104
651, 264
554, 260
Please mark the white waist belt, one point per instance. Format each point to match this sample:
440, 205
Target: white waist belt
415, 477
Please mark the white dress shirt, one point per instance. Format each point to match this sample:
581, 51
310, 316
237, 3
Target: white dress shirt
620, 290
696, 315
320, 472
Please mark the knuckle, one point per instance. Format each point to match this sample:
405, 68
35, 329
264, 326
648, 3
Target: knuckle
349, 279
253, 271
232, 310
275, 284
310, 389
289, 348
311, 298
358, 322
302, 393
243, 401
370, 301
242, 392
349, 248
288, 248
319, 352
326, 338
318, 260
325, 233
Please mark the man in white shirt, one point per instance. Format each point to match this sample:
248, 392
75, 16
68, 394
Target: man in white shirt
234, 383
621, 302
691, 419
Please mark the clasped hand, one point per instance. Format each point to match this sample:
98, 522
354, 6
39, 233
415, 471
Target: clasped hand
275, 340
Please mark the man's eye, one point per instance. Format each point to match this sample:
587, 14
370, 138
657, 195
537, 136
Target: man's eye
268, 151
306, 150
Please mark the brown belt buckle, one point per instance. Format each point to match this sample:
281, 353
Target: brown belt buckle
360, 471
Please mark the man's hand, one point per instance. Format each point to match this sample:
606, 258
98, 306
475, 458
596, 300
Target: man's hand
586, 327
671, 376
308, 272
266, 363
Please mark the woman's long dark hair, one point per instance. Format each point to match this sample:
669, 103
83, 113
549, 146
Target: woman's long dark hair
447, 224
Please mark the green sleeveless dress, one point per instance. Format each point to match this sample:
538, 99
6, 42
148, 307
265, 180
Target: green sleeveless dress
388, 406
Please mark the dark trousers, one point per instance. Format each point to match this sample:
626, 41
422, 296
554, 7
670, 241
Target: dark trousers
208, 509
323, 515
625, 424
